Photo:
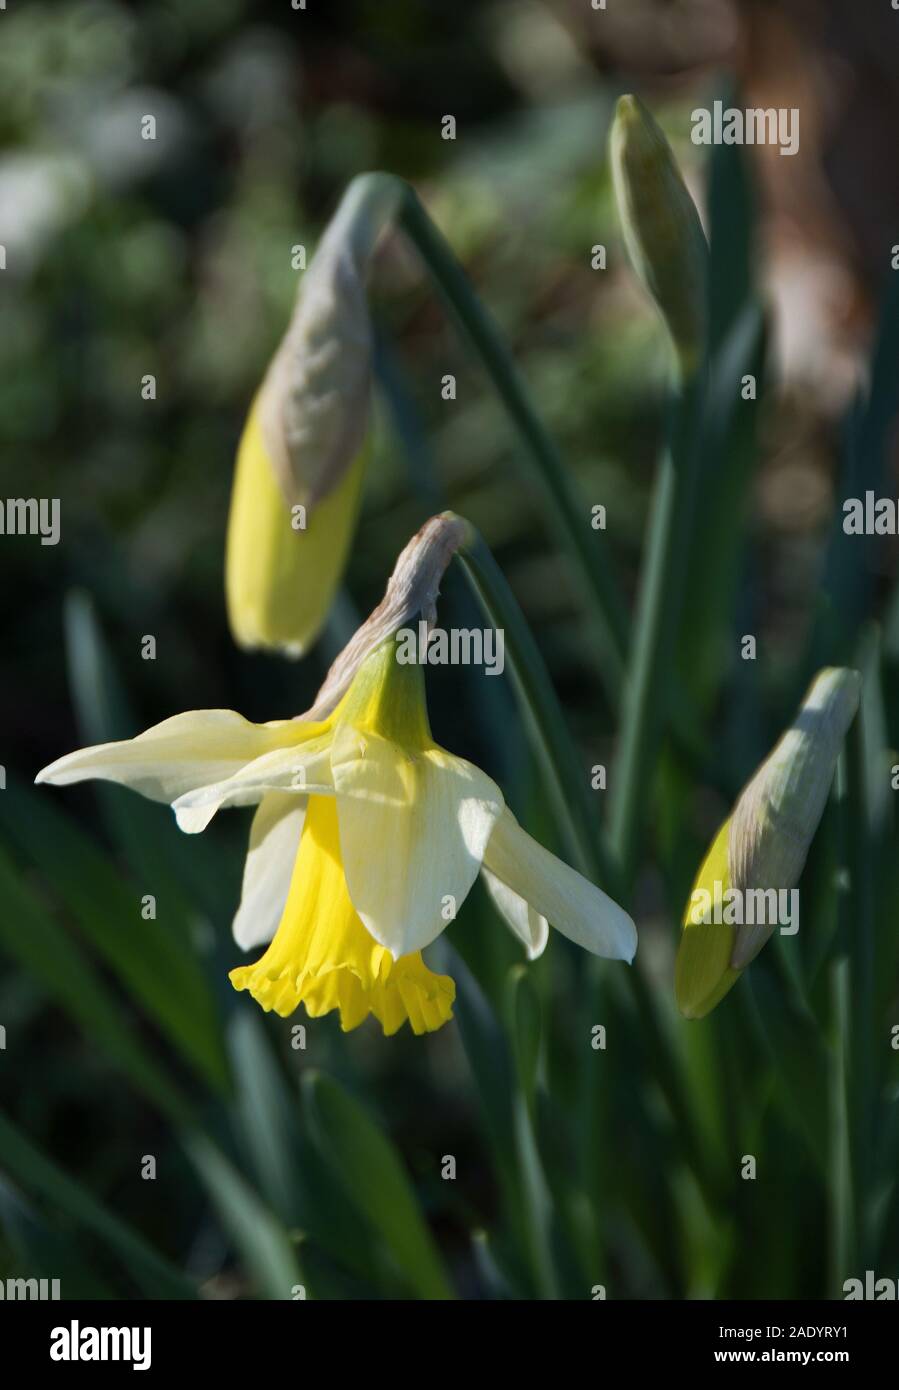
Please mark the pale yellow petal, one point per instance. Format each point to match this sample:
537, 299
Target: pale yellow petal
522, 920
274, 842
413, 828
179, 755
301, 768
568, 901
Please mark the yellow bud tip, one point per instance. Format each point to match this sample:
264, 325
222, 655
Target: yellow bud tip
703, 974
627, 106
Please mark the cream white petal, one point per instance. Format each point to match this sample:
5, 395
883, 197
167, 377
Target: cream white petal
180, 754
567, 900
299, 768
522, 920
274, 842
413, 827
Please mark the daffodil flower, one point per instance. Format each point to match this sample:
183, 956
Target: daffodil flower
365, 843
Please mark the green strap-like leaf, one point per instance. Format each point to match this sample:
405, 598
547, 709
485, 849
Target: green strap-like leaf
151, 961
261, 1240
29, 934
376, 1182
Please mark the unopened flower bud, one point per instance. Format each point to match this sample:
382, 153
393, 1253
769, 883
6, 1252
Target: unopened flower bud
302, 454
760, 851
775, 819
662, 230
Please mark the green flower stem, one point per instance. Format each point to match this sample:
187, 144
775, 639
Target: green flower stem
564, 776
565, 780
538, 1200
858, 933
525, 1026
843, 1228
669, 1071
646, 702
566, 510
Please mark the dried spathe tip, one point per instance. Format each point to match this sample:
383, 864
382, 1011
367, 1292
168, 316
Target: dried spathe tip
412, 589
661, 226
314, 401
